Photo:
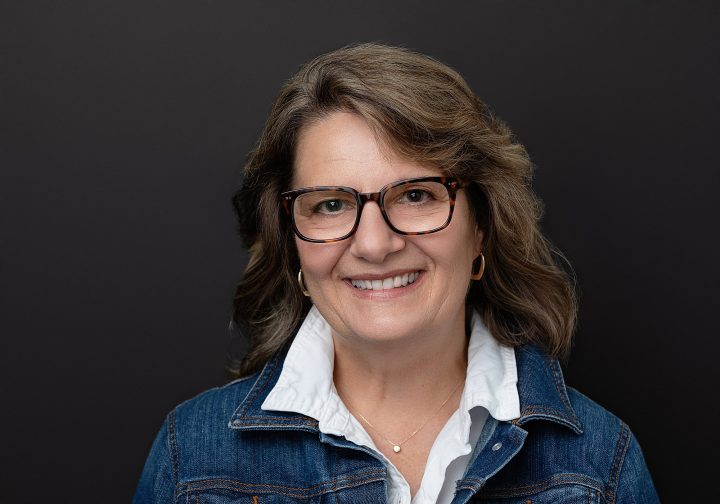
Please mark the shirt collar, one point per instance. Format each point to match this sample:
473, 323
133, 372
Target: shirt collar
293, 388
305, 384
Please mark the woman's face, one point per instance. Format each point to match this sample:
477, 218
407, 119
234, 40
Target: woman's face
341, 150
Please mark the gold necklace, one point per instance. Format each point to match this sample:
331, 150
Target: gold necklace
398, 446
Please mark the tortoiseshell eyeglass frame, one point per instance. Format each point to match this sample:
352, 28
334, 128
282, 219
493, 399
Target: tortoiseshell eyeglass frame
451, 184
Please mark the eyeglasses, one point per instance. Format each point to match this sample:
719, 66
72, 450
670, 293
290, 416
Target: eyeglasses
413, 206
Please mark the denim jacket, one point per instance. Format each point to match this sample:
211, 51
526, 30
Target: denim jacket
222, 448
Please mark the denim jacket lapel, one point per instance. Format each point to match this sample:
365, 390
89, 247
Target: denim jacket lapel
543, 397
250, 416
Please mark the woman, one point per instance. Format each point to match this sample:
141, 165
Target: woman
404, 311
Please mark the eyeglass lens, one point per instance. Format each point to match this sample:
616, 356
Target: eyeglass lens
411, 208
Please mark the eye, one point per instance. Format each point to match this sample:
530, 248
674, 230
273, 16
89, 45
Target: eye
416, 196
330, 206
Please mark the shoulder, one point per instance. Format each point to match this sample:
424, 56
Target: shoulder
193, 437
199, 437
605, 438
571, 439
609, 444
593, 445
603, 462
597, 423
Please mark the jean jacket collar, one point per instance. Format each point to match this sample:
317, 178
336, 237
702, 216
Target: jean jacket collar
541, 387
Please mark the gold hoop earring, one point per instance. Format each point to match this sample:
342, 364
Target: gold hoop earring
302, 284
478, 275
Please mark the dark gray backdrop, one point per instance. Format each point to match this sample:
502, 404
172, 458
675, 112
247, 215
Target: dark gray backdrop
124, 125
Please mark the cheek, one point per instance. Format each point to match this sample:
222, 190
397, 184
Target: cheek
468, 237
451, 261
318, 260
454, 252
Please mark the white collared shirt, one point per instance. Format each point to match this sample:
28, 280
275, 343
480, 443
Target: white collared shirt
306, 386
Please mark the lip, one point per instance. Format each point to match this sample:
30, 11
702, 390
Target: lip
380, 276
382, 295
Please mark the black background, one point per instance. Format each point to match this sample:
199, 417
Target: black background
124, 126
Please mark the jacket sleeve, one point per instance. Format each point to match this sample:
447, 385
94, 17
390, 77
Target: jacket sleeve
157, 482
635, 485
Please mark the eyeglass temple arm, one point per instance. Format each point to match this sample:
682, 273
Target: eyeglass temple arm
286, 203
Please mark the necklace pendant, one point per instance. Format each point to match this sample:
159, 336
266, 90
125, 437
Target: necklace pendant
396, 448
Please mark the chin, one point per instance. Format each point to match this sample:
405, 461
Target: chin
378, 328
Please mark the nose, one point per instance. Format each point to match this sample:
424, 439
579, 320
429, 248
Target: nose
374, 240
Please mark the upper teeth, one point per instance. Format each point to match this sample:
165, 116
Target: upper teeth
386, 283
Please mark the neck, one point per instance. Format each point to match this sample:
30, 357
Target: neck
409, 374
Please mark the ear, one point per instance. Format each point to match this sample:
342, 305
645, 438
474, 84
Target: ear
479, 241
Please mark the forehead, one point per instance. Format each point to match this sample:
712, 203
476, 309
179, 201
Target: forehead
342, 149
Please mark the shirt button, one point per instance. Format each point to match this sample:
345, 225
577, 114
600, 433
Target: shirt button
496, 446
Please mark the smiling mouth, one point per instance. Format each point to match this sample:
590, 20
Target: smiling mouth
388, 283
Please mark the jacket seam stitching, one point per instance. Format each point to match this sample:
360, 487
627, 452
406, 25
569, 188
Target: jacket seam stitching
225, 484
258, 391
287, 427
544, 409
286, 493
267, 373
304, 423
172, 448
574, 479
562, 391
618, 458
554, 414
280, 419
240, 380
322, 483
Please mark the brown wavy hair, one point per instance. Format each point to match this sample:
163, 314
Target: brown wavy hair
427, 112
